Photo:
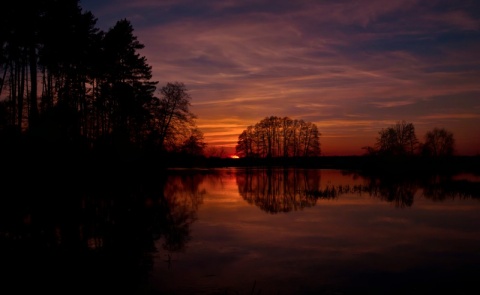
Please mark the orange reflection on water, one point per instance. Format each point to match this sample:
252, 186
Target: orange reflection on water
262, 227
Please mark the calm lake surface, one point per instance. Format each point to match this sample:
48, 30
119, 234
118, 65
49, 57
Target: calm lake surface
255, 231
260, 231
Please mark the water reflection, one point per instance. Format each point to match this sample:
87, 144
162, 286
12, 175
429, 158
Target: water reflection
98, 236
181, 197
403, 189
439, 188
195, 230
278, 190
342, 233
285, 190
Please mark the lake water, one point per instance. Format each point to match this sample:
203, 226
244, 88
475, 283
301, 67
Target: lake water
254, 231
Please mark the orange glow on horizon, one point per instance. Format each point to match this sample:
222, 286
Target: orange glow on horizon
338, 140
244, 68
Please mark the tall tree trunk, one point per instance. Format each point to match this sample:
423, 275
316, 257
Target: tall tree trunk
21, 93
13, 91
2, 81
33, 111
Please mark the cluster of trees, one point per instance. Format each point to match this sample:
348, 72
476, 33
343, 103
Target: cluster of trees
400, 139
63, 80
279, 137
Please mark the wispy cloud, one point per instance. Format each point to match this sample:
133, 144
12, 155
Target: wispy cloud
352, 67
451, 116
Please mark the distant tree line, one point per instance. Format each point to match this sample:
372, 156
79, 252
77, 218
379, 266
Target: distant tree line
64, 82
279, 137
400, 139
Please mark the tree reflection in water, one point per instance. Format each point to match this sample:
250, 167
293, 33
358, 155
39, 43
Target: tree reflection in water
279, 190
99, 237
182, 198
402, 189
441, 187
285, 190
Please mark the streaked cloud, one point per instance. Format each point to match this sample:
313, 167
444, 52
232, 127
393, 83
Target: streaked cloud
452, 116
352, 67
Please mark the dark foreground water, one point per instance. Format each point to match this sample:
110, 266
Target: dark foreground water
236, 231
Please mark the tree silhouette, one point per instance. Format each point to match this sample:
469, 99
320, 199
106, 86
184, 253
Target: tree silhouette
398, 139
48, 38
65, 83
439, 142
215, 151
279, 137
194, 144
126, 87
172, 118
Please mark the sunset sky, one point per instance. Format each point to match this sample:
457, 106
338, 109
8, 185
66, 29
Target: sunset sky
351, 67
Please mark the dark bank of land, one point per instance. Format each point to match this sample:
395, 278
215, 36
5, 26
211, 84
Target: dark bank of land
54, 165
414, 164
61, 165
45, 160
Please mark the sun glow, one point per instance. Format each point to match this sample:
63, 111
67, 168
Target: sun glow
235, 157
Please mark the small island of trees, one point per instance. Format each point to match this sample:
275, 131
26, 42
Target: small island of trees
279, 137
282, 141
400, 140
